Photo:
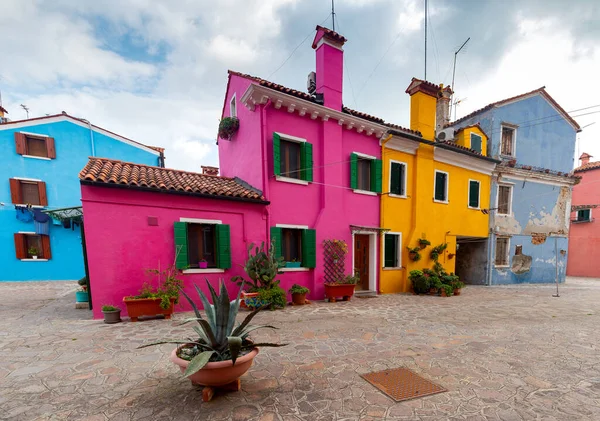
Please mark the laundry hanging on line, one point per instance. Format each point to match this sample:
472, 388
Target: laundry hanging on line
23, 214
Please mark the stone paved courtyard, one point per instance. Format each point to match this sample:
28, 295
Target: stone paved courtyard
505, 353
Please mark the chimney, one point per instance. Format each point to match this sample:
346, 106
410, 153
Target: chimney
330, 66
442, 112
423, 103
206, 170
585, 158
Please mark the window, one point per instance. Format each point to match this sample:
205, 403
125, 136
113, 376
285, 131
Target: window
508, 141
197, 240
441, 187
295, 244
504, 200
392, 246
35, 145
584, 215
474, 194
29, 244
476, 142
232, 107
28, 192
365, 173
292, 158
502, 248
398, 178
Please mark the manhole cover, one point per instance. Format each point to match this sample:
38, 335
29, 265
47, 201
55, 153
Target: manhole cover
402, 384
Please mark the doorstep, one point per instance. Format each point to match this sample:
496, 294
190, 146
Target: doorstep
365, 293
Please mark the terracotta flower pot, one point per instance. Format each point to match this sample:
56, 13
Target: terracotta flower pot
433, 291
299, 299
333, 291
138, 307
457, 291
218, 373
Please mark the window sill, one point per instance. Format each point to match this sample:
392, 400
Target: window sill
398, 196
502, 266
33, 260
209, 270
582, 222
365, 192
23, 205
294, 269
395, 268
291, 180
43, 158
476, 209
444, 202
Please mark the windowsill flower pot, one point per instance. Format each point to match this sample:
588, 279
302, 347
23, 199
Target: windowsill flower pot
292, 264
82, 297
203, 264
112, 314
34, 257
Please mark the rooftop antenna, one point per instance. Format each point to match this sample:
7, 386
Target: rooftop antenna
458, 101
26, 109
425, 40
333, 14
454, 72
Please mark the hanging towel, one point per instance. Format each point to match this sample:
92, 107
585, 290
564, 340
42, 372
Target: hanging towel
40, 216
56, 221
23, 214
42, 228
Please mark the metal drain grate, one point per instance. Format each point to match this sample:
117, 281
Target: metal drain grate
402, 384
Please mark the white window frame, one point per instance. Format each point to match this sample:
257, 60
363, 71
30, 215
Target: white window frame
471, 141
283, 178
204, 222
232, 107
510, 202
405, 181
514, 139
478, 193
587, 220
372, 158
507, 252
399, 234
447, 186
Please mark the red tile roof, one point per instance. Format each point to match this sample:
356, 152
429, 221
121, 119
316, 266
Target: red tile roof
457, 146
472, 125
587, 167
145, 177
332, 35
428, 87
541, 90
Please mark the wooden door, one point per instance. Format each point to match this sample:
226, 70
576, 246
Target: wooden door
361, 260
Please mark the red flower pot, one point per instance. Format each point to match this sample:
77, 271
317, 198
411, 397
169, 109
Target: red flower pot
334, 291
138, 307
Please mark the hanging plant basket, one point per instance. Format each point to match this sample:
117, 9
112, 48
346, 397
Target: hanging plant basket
228, 127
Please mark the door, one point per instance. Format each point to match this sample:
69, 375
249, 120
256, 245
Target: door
361, 260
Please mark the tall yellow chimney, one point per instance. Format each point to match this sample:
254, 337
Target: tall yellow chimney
423, 101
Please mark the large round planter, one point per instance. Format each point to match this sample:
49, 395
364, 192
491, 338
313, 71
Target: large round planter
299, 299
218, 373
334, 291
111, 317
81, 296
251, 300
138, 307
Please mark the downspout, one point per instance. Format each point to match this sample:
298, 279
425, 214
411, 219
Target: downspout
492, 237
381, 213
265, 161
91, 138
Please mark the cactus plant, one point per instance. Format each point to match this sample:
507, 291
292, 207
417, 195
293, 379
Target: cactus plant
262, 267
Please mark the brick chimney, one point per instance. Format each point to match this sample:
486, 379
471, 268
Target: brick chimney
330, 66
442, 112
423, 104
585, 158
206, 170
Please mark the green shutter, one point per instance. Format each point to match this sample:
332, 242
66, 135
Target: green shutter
476, 142
306, 161
276, 154
376, 175
222, 232
390, 251
276, 236
181, 245
353, 171
309, 248
473, 194
395, 174
440, 186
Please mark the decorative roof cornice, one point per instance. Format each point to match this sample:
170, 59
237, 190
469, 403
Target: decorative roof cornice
526, 172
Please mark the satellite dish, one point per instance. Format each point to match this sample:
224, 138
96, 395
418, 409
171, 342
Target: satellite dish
442, 136
311, 83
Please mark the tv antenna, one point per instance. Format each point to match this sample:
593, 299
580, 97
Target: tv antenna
454, 72
26, 109
458, 101
425, 40
333, 14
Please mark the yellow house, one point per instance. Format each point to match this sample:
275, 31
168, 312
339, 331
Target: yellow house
436, 187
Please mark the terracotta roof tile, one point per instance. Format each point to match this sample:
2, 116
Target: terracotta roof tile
587, 167
472, 125
457, 146
146, 177
362, 115
328, 33
403, 129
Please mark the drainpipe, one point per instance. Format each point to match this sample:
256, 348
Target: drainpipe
91, 136
492, 237
263, 147
381, 214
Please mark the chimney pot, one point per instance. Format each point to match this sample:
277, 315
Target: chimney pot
585, 158
206, 170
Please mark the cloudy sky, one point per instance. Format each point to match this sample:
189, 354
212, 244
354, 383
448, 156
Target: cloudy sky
156, 70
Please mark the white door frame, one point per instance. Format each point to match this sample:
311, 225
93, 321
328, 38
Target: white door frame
373, 262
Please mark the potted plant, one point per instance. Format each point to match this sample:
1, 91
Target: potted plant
298, 294
33, 252
222, 351
512, 162
81, 296
420, 282
112, 314
228, 126
413, 253
293, 264
83, 283
455, 282
437, 250
344, 287
423, 243
272, 298
203, 264
447, 290
154, 301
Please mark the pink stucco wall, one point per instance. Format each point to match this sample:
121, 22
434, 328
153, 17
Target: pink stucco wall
121, 245
584, 238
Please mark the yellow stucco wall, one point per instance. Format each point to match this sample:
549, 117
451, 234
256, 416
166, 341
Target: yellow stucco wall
463, 138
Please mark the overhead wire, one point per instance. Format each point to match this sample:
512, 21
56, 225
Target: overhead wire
337, 18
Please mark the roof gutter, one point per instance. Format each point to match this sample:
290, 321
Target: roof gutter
180, 193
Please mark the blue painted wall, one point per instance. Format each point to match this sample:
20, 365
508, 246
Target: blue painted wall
546, 140
73, 147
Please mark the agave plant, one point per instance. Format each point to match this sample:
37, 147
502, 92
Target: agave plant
218, 338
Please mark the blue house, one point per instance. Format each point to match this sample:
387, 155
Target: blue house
42, 159
530, 193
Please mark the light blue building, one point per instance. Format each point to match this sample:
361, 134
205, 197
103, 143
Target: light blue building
42, 159
531, 192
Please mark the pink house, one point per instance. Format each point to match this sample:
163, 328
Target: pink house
584, 234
